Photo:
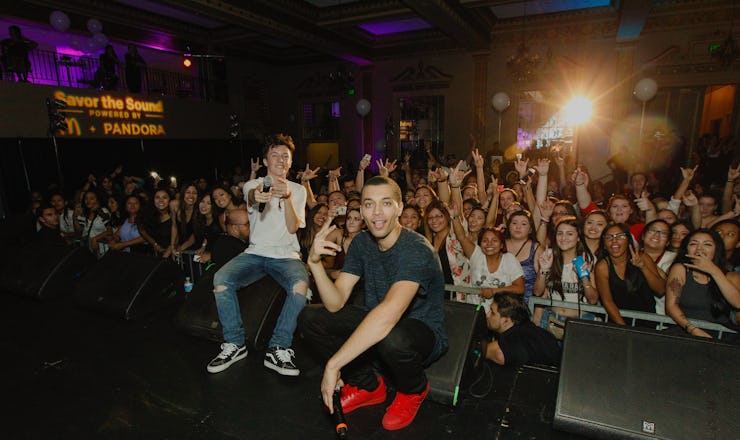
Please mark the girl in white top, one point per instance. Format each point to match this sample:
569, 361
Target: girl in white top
558, 278
655, 239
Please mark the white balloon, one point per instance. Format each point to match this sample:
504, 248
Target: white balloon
363, 107
94, 25
501, 101
59, 21
100, 40
645, 89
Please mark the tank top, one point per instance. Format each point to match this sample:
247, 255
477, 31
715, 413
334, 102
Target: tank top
530, 274
696, 301
628, 296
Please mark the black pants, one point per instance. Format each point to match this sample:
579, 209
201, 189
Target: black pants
401, 353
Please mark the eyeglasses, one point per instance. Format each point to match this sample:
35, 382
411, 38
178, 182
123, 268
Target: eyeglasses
620, 236
659, 232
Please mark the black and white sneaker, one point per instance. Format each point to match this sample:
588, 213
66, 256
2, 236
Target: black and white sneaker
281, 360
230, 353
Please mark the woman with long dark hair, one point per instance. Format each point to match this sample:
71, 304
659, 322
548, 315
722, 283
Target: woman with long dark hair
94, 223
354, 224
224, 199
626, 278
184, 210
438, 230
558, 277
699, 287
206, 228
159, 229
127, 238
315, 219
522, 243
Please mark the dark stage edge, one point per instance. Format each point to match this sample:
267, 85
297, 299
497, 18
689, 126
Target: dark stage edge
74, 373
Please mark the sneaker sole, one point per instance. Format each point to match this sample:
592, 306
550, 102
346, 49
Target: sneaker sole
279, 370
222, 367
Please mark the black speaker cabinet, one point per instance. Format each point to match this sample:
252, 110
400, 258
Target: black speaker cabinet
130, 285
43, 270
260, 304
466, 328
619, 382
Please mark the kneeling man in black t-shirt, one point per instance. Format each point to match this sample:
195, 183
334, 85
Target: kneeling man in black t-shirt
518, 340
402, 322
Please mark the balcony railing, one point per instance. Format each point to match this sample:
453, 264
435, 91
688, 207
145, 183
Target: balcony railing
51, 68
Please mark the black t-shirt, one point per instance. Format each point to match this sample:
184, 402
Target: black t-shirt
528, 344
411, 258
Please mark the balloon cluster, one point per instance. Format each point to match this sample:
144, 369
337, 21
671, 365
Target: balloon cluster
60, 21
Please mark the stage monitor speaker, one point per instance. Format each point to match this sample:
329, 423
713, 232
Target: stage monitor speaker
466, 328
260, 304
620, 382
43, 270
130, 285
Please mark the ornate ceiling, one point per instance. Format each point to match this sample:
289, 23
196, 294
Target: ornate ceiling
301, 32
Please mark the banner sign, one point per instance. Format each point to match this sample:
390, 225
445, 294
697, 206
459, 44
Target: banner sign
108, 115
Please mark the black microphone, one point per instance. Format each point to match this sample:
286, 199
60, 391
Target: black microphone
266, 185
339, 421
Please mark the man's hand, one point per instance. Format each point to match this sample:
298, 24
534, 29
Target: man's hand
262, 197
280, 188
321, 246
329, 383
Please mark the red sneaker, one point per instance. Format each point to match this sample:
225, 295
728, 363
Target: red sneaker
403, 409
353, 397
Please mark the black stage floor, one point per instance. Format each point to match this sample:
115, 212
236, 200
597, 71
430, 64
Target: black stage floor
74, 373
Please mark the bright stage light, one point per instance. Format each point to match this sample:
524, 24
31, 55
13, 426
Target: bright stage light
187, 62
578, 110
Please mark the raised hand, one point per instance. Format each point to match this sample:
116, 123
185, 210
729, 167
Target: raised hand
542, 167
545, 260
364, 163
492, 187
457, 175
335, 173
477, 158
384, 169
579, 177
255, 163
733, 173
280, 188
521, 167
688, 173
309, 174
321, 246
546, 208
644, 203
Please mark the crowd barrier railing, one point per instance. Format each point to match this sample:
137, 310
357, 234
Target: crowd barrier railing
630, 316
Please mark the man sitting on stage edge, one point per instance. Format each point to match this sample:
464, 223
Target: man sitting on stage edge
402, 323
275, 214
518, 341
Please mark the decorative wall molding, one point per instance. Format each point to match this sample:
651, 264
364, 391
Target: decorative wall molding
420, 77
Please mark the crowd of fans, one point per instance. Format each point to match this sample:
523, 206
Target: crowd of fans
546, 229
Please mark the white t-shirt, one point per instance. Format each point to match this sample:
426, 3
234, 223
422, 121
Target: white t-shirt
268, 233
509, 269
663, 264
